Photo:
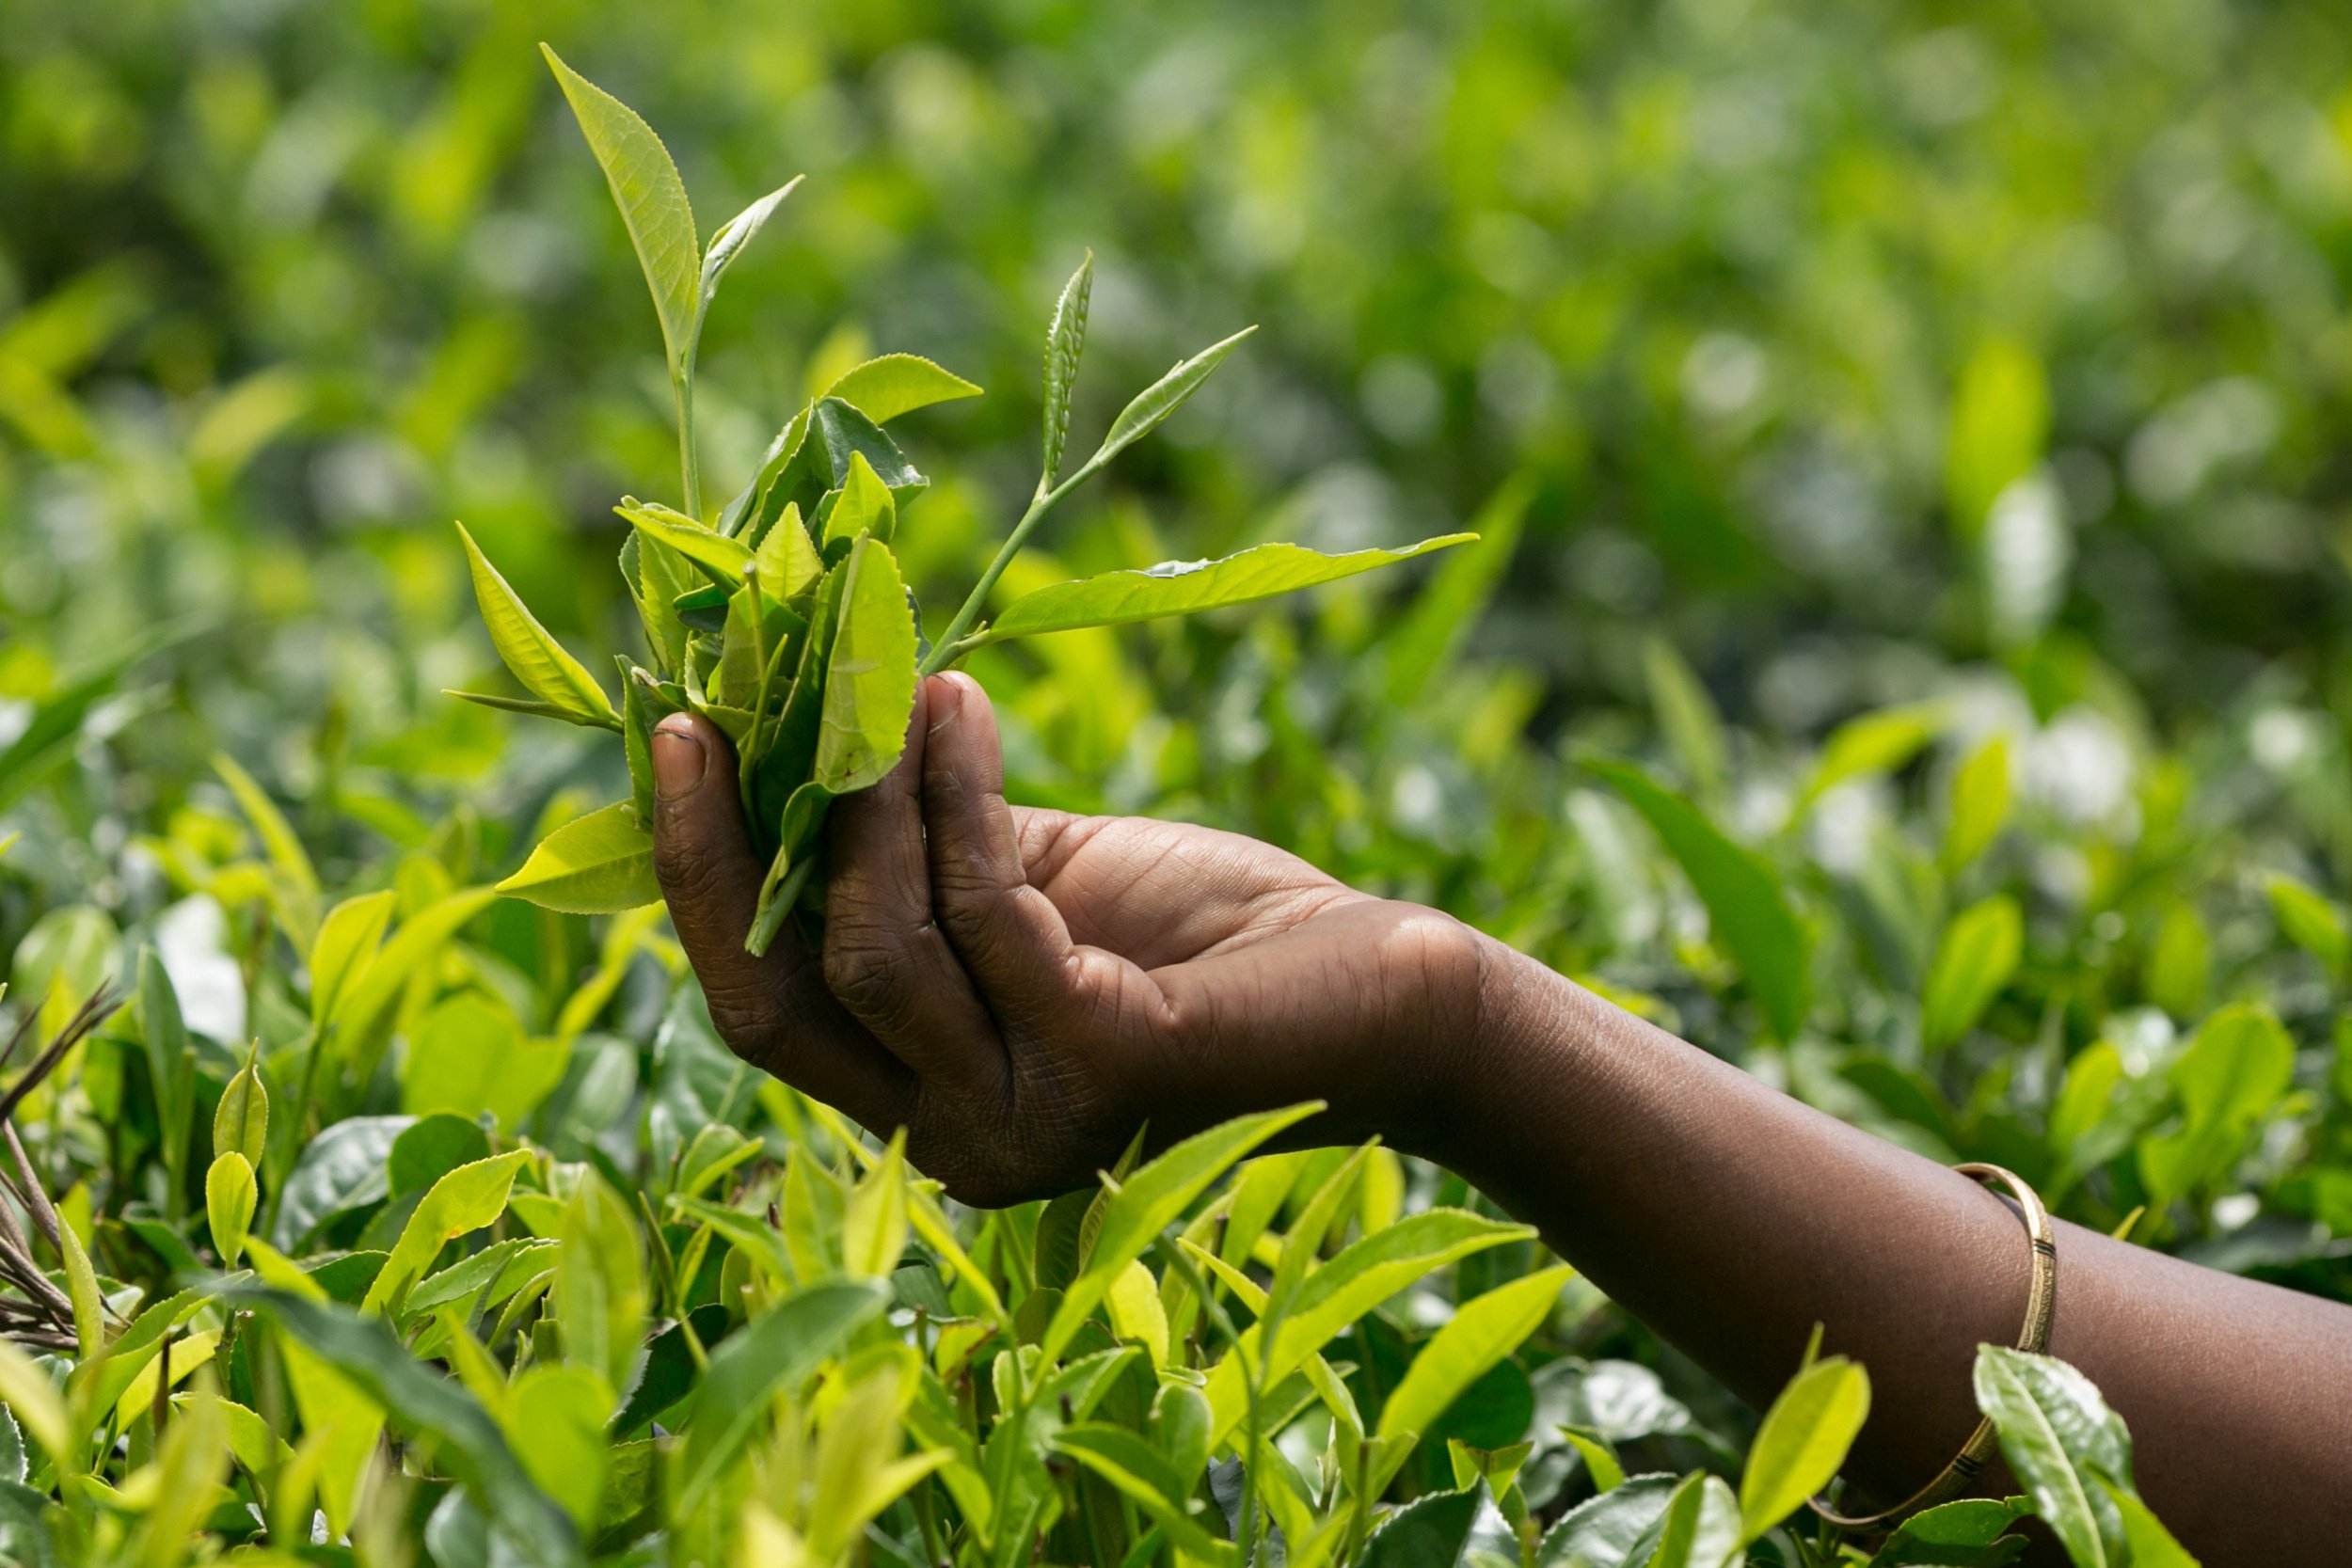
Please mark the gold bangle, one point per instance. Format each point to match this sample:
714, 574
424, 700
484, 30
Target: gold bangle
2040, 1306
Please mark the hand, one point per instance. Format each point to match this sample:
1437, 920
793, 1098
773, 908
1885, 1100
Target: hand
1020, 989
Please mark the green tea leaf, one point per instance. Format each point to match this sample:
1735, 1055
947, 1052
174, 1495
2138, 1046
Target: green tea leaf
1480, 1333
1880, 742
1970, 1534
241, 1121
1686, 715
776, 1352
1187, 587
1150, 1201
32, 1399
1440, 616
465, 1199
369, 998
536, 658
717, 554
471, 1055
424, 1401
843, 433
297, 884
1429, 1532
1600, 1532
1744, 901
600, 1288
1700, 1527
1805, 1439
652, 199
874, 1226
864, 506
1163, 397
2059, 1439
2236, 1069
1979, 805
1065, 343
347, 940
1975, 960
2311, 921
729, 243
1137, 1471
229, 1195
600, 863
896, 384
869, 678
81, 1281
788, 566
2151, 1544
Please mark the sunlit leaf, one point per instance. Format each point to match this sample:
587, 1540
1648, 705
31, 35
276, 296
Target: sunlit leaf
1803, 1442
1065, 343
1187, 587
229, 1197
652, 199
536, 658
1164, 397
869, 678
600, 863
896, 384
1973, 962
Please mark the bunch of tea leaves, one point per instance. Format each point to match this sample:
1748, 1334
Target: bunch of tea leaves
784, 617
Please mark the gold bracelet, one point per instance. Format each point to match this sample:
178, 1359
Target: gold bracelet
2040, 1306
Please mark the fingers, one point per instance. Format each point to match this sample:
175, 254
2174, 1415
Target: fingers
885, 960
774, 1011
1010, 937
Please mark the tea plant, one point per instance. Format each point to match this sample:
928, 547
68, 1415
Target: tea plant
784, 619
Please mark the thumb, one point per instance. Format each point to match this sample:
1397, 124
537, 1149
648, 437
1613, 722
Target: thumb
774, 1011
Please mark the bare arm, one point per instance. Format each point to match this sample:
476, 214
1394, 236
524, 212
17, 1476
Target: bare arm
1021, 989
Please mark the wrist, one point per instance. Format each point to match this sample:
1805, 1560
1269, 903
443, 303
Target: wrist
1446, 1052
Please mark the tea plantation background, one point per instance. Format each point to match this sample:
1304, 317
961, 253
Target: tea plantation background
1916, 434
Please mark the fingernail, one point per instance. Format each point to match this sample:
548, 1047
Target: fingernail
943, 698
677, 762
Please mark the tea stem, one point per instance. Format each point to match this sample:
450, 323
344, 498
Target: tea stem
690, 462
947, 648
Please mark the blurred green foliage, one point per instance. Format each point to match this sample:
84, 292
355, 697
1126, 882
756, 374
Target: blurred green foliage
1914, 436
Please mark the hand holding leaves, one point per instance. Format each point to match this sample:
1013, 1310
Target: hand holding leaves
785, 620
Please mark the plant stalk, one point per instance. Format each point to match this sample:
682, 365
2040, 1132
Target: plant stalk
944, 649
690, 462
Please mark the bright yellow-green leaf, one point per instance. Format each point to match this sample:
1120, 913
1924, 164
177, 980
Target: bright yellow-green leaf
465, 1199
788, 564
874, 1224
1805, 1439
366, 1000
2311, 921
869, 680
721, 558
864, 506
33, 1399
1164, 397
600, 863
241, 1121
188, 1353
1745, 903
347, 942
537, 660
554, 1421
470, 1055
1979, 805
1187, 587
1065, 343
1479, 1335
652, 199
1973, 962
298, 882
1134, 1301
1877, 742
89, 1312
896, 384
600, 1290
230, 1193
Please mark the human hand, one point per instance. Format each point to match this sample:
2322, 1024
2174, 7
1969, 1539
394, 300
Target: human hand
1021, 989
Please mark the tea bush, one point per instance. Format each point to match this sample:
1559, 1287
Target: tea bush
1900, 655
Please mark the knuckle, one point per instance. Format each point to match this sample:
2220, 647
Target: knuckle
868, 970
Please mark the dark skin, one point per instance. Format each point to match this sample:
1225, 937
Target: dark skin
1021, 989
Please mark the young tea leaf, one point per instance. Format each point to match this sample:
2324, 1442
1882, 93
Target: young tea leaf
1803, 1440
2059, 1439
652, 199
728, 242
896, 384
1065, 342
1187, 588
229, 1195
465, 1199
241, 1121
1744, 900
722, 558
774, 1353
1973, 962
869, 678
1161, 398
537, 660
600, 863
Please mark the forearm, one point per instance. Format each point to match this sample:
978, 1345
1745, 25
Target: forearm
1732, 1218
